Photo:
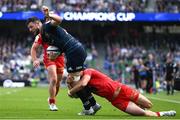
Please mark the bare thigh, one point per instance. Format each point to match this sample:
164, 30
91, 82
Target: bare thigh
143, 102
52, 75
134, 109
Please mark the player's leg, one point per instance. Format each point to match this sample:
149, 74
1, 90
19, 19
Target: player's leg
122, 103
131, 94
96, 107
140, 105
126, 99
87, 99
59, 78
88, 110
52, 76
143, 102
168, 81
74, 64
133, 109
82, 94
129, 100
89, 103
172, 86
168, 86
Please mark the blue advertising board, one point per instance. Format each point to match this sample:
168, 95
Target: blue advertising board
96, 16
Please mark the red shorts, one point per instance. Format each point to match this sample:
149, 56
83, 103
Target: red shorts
126, 94
59, 62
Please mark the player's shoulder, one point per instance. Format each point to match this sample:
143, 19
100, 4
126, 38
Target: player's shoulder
90, 70
38, 38
49, 25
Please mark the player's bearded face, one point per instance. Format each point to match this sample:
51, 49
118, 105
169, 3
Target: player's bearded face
33, 28
36, 32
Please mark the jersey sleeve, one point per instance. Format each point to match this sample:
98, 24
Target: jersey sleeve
38, 39
87, 72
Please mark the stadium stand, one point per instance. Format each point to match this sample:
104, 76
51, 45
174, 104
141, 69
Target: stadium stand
172, 6
108, 49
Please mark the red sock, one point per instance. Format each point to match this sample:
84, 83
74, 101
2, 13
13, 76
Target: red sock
158, 114
51, 101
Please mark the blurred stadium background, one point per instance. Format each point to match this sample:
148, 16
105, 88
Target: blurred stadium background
121, 36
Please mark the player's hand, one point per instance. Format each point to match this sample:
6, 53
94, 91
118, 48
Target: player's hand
72, 95
36, 63
45, 10
69, 94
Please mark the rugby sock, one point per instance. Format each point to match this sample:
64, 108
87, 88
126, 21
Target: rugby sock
83, 96
51, 101
90, 96
87, 105
158, 114
92, 100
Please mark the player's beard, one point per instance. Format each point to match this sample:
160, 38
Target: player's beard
36, 32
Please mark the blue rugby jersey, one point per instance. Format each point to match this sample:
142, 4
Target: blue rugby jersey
57, 36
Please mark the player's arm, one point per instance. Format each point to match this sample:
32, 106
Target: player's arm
80, 84
34, 49
55, 19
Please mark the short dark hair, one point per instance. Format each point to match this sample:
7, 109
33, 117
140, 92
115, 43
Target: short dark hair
32, 19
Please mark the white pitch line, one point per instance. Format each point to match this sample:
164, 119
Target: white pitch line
165, 100
10, 92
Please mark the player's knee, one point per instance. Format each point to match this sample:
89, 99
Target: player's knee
53, 81
149, 104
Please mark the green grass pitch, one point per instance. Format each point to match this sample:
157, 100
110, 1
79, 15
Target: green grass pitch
31, 103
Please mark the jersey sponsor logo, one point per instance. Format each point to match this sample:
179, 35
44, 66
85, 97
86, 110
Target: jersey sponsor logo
79, 67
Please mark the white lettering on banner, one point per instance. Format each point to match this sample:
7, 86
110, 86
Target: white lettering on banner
67, 16
112, 17
10, 84
70, 16
1, 14
125, 16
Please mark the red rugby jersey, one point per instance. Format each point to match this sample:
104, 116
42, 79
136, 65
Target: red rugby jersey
102, 85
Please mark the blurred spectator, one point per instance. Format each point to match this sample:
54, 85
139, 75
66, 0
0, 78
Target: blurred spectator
172, 6
170, 71
15, 57
18, 5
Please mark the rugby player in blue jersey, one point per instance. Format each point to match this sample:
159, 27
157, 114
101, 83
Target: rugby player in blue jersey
75, 54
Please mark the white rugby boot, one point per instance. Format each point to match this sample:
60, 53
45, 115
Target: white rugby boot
96, 108
53, 107
87, 112
168, 113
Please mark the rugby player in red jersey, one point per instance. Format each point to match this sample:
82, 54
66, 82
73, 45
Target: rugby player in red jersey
120, 95
55, 68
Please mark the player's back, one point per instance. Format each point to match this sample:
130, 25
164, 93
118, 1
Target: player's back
101, 83
57, 36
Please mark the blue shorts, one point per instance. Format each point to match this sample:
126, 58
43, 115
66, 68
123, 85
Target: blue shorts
75, 60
